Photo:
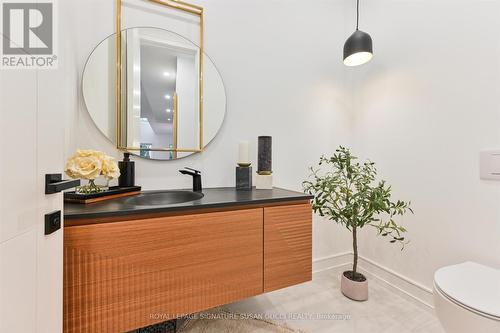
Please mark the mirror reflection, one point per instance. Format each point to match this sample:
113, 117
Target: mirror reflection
165, 112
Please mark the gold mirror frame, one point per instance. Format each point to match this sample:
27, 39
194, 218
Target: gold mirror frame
174, 4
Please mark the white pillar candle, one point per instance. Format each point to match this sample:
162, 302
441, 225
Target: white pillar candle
243, 156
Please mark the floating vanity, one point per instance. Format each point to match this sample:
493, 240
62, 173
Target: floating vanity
130, 262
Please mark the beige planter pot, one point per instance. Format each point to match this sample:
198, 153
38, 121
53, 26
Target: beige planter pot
354, 290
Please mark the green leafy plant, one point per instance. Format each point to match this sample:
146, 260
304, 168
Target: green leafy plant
348, 193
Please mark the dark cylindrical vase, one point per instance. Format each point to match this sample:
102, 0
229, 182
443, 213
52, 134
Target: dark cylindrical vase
265, 155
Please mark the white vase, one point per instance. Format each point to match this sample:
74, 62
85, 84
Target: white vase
94, 186
103, 183
355, 290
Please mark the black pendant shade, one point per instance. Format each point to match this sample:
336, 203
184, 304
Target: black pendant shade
358, 49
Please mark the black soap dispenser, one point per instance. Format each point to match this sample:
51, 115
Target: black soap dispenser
127, 171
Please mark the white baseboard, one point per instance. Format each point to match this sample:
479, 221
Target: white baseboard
402, 285
332, 262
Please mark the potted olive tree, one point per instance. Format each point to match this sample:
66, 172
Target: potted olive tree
348, 193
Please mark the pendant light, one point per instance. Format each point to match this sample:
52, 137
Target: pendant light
358, 49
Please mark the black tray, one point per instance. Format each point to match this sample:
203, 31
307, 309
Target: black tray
114, 191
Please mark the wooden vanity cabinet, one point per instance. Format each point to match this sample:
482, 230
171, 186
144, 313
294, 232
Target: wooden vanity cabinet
123, 275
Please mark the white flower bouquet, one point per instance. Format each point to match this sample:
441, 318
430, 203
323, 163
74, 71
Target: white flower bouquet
89, 165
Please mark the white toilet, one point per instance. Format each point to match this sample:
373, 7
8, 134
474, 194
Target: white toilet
467, 298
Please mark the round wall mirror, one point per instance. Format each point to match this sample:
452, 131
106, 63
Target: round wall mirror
173, 99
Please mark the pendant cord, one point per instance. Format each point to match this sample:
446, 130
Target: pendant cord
357, 15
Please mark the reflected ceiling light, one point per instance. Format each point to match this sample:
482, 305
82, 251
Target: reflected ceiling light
168, 96
169, 110
167, 74
358, 49
169, 119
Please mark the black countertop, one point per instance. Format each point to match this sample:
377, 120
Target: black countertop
213, 198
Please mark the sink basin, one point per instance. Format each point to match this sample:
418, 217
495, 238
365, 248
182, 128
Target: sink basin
163, 198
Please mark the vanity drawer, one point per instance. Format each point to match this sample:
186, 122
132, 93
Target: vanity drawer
287, 246
126, 275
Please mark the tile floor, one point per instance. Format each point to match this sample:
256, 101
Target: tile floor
384, 312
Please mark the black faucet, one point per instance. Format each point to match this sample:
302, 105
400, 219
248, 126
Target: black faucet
196, 178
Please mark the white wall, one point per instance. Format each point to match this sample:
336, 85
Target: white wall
423, 109
281, 65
